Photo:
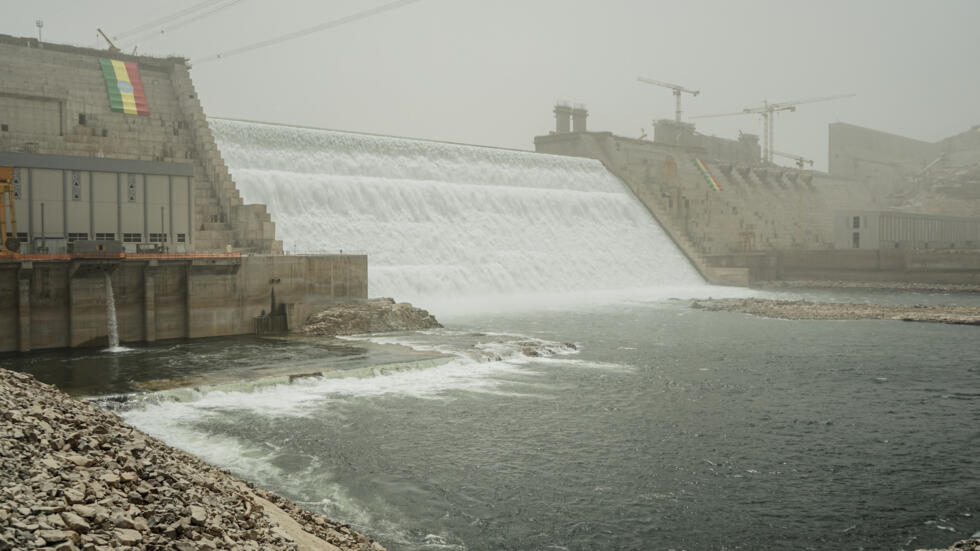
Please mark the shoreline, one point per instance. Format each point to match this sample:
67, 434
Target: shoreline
809, 310
79, 477
870, 285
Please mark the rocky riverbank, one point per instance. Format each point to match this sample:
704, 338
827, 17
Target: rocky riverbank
874, 285
73, 477
972, 544
807, 310
379, 315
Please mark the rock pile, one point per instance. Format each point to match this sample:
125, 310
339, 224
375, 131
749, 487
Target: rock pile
73, 477
379, 315
806, 310
972, 544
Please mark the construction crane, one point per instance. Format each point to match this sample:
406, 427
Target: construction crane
800, 161
10, 245
767, 111
112, 47
677, 93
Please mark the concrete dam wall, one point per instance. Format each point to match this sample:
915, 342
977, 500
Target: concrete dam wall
446, 221
62, 303
115, 149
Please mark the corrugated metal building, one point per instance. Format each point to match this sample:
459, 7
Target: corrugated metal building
898, 230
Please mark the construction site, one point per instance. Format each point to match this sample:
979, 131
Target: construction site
110, 175
889, 209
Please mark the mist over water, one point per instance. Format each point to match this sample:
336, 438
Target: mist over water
445, 222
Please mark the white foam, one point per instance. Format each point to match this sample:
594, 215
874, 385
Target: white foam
457, 228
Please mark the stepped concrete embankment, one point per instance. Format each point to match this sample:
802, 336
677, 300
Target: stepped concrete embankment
76, 477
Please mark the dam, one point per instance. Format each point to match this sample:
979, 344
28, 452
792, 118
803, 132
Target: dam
443, 221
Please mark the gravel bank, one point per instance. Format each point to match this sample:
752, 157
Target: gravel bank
877, 285
806, 310
972, 544
73, 477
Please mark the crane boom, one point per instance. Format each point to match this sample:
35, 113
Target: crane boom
112, 47
767, 110
677, 89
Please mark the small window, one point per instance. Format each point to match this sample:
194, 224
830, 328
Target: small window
181, 238
108, 236
856, 223
856, 240
3, 128
133, 237
158, 238
81, 119
74, 236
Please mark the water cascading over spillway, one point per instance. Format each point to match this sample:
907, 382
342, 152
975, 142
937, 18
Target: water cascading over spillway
112, 327
447, 220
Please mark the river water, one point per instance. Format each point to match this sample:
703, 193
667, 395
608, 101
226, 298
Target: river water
663, 427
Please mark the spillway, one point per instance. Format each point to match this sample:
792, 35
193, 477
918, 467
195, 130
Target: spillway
448, 220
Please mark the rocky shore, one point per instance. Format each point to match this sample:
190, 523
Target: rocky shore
73, 477
379, 315
807, 310
972, 544
873, 285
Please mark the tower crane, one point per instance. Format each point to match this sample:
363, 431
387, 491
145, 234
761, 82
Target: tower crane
767, 111
677, 92
800, 161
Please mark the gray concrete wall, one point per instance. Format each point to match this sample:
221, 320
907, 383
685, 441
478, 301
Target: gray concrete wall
55, 304
53, 102
878, 159
856, 265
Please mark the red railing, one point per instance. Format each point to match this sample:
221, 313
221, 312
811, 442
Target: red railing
113, 256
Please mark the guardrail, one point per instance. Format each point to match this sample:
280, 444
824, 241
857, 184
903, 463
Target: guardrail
113, 256
325, 252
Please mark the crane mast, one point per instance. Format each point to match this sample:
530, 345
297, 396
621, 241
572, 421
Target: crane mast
767, 111
676, 88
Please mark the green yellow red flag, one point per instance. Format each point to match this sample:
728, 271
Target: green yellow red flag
125, 88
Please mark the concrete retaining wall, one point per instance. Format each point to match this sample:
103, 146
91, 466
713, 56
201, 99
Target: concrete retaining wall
55, 304
894, 266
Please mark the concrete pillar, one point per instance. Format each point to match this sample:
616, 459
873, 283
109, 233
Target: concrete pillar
24, 307
563, 114
187, 301
579, 116
149, 303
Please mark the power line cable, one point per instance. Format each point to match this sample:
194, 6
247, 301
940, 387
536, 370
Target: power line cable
192, 19
164, 20
310, 30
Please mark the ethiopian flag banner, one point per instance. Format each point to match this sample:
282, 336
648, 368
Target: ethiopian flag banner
122, 81
708, 177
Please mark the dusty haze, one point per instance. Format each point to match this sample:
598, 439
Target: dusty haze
488, 72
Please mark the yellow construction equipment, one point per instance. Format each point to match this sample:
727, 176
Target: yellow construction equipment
11, 244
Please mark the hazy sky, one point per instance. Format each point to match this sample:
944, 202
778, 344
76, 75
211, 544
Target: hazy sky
489, 72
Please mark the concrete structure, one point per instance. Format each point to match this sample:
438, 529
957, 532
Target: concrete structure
580, 116
88, 177
897, 230
720, 203
102, 172
563, 117
62, 303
